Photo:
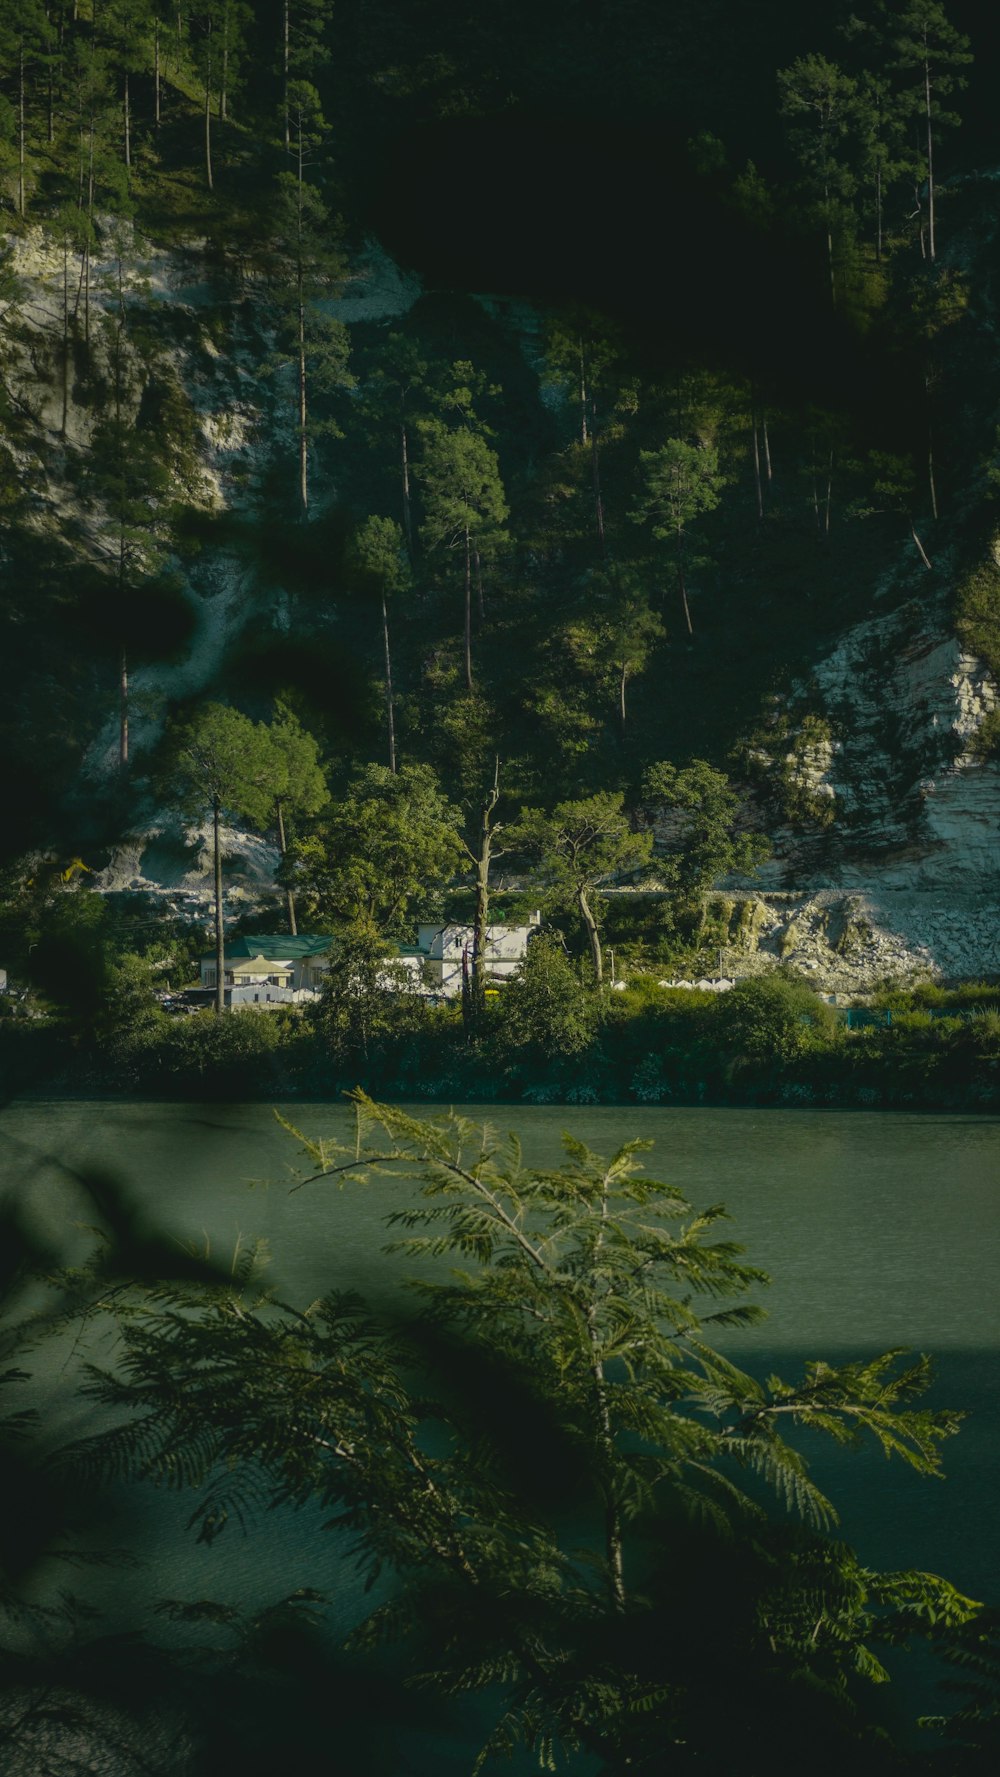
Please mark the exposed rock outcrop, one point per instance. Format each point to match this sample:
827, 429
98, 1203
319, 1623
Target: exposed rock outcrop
855, 941
905, 882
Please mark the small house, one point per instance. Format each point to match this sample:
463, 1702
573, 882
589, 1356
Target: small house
269, 969
446, 951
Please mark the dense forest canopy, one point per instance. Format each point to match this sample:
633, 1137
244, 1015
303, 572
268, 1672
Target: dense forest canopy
724, 240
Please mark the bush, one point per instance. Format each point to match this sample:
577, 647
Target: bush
235, 1055
773, 1018
545, 1013
977, 613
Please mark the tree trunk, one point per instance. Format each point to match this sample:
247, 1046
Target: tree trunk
920, 548
220, 948
303, 410
613, 1532
930, 160
480, 599
681, 583
767, 445
65, 340
878, 212
81, 184
389, 712
123, 708
208, 112
301, 322
583, 396
474, 1002
829, 246
285, 35
128, 129
224, 83
829, 498
756, 459
919, 211
931, 480
593, 935
595, 466
613, 1538
156, 73
20, 129
405, 466
621, 695
468, 610
90, 231
283, 849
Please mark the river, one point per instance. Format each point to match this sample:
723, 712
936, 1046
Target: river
878, 1230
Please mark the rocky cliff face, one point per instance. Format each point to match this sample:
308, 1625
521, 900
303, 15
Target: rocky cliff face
905, 879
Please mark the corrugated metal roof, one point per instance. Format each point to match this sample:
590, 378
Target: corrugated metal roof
278, 946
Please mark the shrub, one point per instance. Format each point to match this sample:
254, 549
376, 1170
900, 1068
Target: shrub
773, 1018
544, 1010
977, 613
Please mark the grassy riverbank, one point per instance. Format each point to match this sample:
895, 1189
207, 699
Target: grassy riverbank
771, 1041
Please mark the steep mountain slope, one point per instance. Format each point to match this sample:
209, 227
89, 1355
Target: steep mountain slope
826, 627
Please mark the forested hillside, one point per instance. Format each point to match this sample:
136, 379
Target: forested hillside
596, 392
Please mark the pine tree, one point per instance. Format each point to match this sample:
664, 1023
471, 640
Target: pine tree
306, 270
102, 182
378, 560
127, 26
583, 846
819, 104
928, 49
392, 397
481, 856
701, 811
383, 850
302, 51
290, 783
126, 474
613, 639
25, 38
217, 763
584, 357
681, 482
464, 503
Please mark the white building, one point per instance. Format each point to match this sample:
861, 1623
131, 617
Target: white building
445, 952
268, 970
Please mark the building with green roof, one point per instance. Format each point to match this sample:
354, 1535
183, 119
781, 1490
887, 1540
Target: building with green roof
270, 968
274, 968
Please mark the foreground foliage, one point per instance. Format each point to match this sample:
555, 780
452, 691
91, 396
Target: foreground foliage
567, 1499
